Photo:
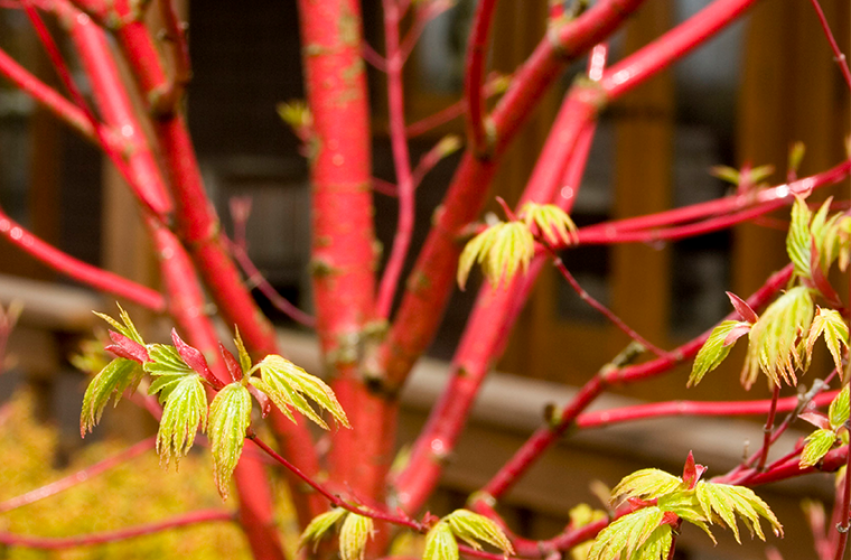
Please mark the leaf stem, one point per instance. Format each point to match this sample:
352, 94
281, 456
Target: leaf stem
602, 309
335, 499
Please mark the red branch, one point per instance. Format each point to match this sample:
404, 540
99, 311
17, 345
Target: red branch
432, 279
92, 276
344, 255
603, 418
725, 212
51, 543
401, 160
63, 109
474, 75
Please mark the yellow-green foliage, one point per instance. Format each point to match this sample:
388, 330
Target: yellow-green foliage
135, 493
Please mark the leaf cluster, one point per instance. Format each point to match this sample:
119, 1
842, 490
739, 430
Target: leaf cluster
442, 539
504, 248
181, 379
831, 430
665, 500
780, 342
355, 532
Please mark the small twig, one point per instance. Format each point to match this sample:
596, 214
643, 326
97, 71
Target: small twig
52, 543
769, 426
605, 311
78, 477
838, 55
373, 58
256, 278
495, 86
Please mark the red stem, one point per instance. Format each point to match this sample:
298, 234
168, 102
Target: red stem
769, 426
457, 109
53, 543
373, 58
474, 75
92, 276
401, 161
186, 300
78, 477
838, 55
628, 374
199, 230
197, 224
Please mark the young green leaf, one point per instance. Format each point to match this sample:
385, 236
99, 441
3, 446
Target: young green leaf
501, 249
773, 340
230, 415
185, 409
118, 376
580, 516
471, 528
716, 349
167, 368
553, 223
625, 538
244, 356
296, 115
646, 484
838, 412
727, 501
125, 327
796, 156
354, 534
288, 385
166, 361
835, 241
440, 543
798, 238
686, 506
829, 322
816, 447
320, 525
